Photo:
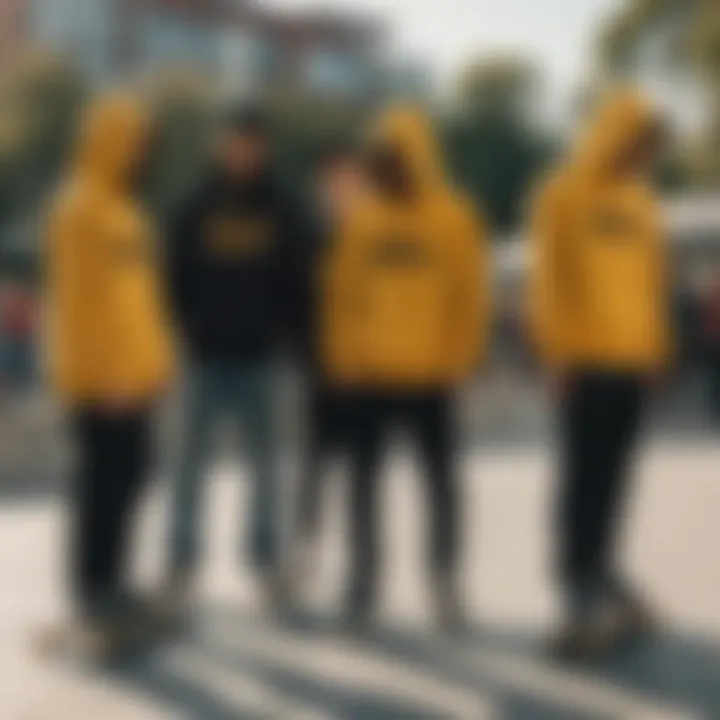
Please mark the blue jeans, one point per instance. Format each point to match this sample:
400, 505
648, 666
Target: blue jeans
246, 393
16, 362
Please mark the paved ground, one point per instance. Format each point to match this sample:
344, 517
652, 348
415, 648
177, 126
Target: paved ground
238, 666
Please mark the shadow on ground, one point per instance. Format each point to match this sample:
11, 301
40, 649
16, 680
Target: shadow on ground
501, 670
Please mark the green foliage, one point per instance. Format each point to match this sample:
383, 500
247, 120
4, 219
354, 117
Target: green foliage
495, 145
41, 104
501, 85
691, 33
306, 127
177, 154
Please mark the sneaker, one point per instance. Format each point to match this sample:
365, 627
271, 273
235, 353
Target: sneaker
580, 642
301, 566
591, 631
174, 607
634, 615
359, 611
90, 642
358, 618
275, 591
450, 616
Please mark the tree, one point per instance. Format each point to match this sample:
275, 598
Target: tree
684, 36
40, 105
503, 85
495, 141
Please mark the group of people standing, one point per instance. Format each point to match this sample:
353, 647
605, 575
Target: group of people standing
379, 287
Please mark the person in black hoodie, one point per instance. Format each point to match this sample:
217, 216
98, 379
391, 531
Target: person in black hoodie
235, 260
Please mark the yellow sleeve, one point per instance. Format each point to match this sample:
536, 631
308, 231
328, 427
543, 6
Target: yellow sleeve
471, 287
74, 289
340, 297
89, 352
546, 301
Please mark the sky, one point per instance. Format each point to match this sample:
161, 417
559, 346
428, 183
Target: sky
558, 34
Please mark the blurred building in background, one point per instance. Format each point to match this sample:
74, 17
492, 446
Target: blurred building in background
13, 30
240, 44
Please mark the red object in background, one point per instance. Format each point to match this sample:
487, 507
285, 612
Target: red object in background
17, 313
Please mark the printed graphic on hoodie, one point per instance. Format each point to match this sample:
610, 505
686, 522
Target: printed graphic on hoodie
615, 225
234, 236
400, 252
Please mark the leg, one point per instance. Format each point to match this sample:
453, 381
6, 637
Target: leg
113, 458
713, 375
365, 447
432, 426
582, 478
255, 401
204, 404
430, 421
624, 398
597, 420
312, 467
91, 498
133, 457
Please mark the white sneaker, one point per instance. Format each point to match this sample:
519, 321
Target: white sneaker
275, 591
448, 606
176, 604
302, 567
87, 642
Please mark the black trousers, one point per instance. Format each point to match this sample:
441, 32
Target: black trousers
326, 429
600, 419
113, 466
713, 384
428, 418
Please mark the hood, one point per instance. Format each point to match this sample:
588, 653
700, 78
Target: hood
114, 134
623, 119
409, 131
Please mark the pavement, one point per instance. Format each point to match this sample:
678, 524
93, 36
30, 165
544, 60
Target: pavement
237, 664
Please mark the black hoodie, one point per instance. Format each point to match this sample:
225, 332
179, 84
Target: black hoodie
237, 267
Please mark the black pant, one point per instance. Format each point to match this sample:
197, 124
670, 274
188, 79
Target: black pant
428, 419
600, 418
113, 465
326, 425
713, 384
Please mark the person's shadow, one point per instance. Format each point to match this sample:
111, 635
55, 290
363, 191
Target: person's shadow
670, 677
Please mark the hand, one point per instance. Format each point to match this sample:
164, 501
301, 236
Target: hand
558, 380
118, 403
660, 379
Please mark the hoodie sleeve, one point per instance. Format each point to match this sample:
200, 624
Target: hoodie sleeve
470, 284
88, 346
547, 301
67, 267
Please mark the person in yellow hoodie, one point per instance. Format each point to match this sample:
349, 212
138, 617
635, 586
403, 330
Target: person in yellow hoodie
405, 305
600, 319
108, 350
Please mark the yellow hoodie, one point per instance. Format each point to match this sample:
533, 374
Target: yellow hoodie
406, 284
599, 295
108, 333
